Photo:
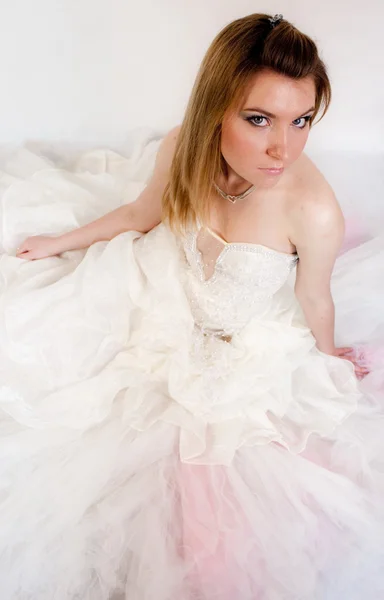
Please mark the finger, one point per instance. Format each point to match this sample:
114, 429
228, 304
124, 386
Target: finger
361, 375
362, 370
346, 356
346, 350
25, 255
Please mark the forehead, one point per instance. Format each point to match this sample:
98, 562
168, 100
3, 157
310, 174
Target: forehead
279, 94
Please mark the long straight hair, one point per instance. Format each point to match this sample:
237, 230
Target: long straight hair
243, 48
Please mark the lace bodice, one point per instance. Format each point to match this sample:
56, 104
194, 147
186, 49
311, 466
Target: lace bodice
228, 283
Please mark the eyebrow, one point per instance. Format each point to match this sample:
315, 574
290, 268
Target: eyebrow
265, 112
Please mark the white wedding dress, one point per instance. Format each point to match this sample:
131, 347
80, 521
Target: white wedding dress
168, 428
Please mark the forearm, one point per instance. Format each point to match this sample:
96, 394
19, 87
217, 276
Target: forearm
320, 316
104, 228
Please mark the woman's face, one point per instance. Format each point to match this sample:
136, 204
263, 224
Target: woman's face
269, 130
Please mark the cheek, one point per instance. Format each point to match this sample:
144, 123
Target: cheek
239, 145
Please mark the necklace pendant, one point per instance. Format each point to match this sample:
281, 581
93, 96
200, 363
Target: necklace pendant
232, 198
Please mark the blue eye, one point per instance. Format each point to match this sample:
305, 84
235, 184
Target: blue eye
305, 119
252, 119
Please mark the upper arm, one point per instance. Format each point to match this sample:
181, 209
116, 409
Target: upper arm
145, 211
318, 231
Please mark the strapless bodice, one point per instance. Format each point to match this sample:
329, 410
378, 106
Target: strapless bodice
226, 292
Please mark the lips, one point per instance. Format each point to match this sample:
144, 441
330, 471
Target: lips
272, 170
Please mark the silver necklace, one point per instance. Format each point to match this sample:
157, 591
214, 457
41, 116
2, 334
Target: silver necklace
233, 198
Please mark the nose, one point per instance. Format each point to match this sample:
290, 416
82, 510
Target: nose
278, 145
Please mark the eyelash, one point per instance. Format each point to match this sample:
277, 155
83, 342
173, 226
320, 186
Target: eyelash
250, 119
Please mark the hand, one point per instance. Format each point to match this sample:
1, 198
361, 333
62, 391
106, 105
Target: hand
38, 246
350, 354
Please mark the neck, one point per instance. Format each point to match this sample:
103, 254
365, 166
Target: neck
233, 184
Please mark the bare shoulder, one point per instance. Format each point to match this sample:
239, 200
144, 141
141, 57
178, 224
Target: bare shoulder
313, 206
308, 181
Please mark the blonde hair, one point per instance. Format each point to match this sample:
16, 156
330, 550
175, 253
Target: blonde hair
244, 47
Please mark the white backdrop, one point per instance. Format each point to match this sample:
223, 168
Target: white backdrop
91, 71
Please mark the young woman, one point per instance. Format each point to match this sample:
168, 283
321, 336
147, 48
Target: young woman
178, 421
